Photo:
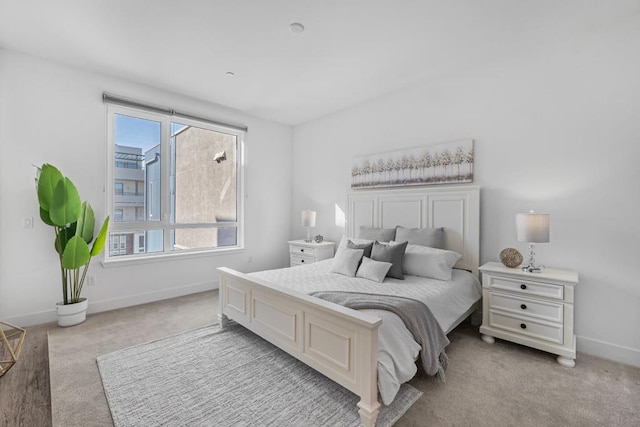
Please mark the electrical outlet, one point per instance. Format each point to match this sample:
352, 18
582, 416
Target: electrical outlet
91, 280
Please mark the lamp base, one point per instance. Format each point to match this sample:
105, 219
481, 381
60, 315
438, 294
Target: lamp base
308, 239
532, 269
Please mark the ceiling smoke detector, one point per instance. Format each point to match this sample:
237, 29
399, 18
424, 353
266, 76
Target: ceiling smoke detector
296, 27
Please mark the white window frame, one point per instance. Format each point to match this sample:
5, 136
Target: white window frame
165, 120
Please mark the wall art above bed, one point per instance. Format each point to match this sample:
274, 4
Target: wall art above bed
434, 164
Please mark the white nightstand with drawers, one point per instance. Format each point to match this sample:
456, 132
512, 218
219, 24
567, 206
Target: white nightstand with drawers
532, 309
301, 252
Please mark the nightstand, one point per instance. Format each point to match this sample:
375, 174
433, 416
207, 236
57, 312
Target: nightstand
532, 309
301, 252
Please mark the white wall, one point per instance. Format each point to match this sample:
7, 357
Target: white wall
52, 113
556, 130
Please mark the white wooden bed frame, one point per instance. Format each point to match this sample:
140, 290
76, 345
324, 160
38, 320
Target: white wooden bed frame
338, 342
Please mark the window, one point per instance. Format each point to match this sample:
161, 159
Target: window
175, 183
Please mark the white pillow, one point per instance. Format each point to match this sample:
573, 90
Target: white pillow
429, 262
373, 270
346, 261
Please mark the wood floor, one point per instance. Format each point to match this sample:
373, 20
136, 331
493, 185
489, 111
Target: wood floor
24, 390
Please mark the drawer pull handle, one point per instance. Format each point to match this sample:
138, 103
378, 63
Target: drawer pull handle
523, 286
301, 260
523, 306
523, 326
301, 250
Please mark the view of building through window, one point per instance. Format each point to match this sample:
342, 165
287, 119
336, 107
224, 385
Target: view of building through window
189, 202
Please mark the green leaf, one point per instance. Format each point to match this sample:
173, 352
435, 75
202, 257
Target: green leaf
47, 181
98, 245
65, 205
76, 253
86, 223
64, 235
44, 216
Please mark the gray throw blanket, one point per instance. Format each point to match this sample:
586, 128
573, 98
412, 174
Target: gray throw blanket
416, 316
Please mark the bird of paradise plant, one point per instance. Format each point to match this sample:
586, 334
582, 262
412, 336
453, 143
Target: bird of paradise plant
73, 222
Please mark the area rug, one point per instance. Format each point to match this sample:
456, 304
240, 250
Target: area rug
209, 377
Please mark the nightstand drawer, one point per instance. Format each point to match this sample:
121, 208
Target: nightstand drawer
522, 325
301, 260
302, 250
528, 287
535, 308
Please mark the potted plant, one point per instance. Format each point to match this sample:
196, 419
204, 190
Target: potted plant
73, 222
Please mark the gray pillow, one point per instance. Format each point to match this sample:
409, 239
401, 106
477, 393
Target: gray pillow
432, 237
379, 234
346, 261
393, 254
365, 246
373, 270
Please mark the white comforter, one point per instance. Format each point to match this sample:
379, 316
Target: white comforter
397, 350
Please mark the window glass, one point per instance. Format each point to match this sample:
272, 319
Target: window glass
203, 238
135, 242
136, 162
203, 175
175, 184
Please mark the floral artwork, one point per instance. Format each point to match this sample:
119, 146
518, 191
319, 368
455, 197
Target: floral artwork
435, 164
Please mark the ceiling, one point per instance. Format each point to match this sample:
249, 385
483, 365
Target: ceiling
351, 51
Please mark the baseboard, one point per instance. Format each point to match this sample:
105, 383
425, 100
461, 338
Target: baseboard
607, 350
48, 316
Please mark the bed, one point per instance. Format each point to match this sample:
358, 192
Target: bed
341, 343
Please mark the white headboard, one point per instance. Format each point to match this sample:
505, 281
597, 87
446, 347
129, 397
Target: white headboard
456, 208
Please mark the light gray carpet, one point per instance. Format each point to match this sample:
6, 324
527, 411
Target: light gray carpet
210, 377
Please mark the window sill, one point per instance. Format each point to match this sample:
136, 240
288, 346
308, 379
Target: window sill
148, 259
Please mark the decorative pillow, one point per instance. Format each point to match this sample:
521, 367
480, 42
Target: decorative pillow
390, 253
429, 262
373, 270
432, 237
346, 261
344, 240
365, 246
379, 234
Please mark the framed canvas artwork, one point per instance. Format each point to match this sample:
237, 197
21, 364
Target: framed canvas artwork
434, 164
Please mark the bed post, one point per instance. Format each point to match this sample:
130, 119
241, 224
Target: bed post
368, 370
223, 320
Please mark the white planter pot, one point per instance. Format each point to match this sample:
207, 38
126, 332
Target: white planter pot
72, 314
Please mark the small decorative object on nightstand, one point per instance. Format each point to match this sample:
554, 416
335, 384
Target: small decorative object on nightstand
511, 257
302, 252
536, 311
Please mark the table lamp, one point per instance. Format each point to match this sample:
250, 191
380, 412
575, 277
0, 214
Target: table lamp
532, 228
308, 221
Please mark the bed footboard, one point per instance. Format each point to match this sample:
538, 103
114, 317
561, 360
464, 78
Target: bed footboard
338, 342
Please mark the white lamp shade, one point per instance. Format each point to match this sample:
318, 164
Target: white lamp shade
532, 227
308, 218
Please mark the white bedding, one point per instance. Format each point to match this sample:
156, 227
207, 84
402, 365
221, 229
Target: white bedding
397, 350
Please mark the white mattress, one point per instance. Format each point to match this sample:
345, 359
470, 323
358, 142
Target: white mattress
397, 350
